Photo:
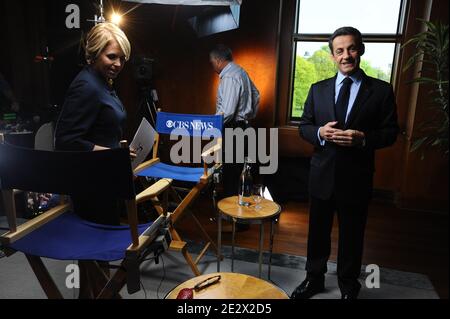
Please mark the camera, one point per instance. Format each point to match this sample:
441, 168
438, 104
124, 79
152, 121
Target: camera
143, 70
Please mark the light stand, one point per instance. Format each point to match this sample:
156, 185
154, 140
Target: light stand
101, 18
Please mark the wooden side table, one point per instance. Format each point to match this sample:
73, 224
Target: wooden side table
229, 209
231, 286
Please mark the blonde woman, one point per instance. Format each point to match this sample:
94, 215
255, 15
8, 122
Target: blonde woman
92, 116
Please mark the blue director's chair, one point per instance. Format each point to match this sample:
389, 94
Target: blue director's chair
60, 234
193, 177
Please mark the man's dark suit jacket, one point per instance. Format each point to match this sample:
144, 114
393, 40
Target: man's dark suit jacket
92, 114
347, 172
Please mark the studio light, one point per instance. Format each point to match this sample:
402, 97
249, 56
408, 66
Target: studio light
116, 18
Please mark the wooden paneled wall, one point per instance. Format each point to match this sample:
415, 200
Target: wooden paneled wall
184, 78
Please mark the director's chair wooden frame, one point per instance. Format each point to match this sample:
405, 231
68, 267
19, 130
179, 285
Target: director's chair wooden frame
184, 203
33, 170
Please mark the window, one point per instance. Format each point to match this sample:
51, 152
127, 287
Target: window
380, 22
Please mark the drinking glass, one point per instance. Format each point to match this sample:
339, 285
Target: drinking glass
258, 195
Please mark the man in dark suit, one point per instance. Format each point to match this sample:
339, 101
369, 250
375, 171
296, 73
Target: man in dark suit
346, 118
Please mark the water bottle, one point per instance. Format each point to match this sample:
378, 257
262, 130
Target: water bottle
245, 184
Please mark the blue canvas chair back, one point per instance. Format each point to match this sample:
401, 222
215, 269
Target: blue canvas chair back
189, 124
70, 173
205, 127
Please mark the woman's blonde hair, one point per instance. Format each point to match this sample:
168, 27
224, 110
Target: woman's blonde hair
100, 36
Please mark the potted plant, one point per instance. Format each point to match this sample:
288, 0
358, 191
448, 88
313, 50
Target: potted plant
432, 51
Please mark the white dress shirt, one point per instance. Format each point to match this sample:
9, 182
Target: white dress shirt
237, 96
354, 89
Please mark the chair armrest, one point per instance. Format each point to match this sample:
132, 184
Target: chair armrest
31, 225
145, 165
216, 148
147, 237
213, 149
209, 172
154, 190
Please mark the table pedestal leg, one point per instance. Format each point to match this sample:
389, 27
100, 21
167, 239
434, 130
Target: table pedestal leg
232, 243
261, 241
271, 245
219, 240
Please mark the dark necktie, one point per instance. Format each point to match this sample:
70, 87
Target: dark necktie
342, 102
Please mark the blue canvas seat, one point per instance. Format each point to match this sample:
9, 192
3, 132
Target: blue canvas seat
190, 126
60, 239
60, 234
179, 173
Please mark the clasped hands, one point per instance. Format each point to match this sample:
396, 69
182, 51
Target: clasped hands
340, 137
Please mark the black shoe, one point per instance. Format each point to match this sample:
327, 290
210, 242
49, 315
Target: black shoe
307, 289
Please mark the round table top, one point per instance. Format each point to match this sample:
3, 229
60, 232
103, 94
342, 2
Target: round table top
229, 206
232, 286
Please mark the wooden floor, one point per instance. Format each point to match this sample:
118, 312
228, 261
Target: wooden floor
398, 239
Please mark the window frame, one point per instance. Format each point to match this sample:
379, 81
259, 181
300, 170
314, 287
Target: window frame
396, 39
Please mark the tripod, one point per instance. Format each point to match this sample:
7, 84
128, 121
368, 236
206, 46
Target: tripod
147, 104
